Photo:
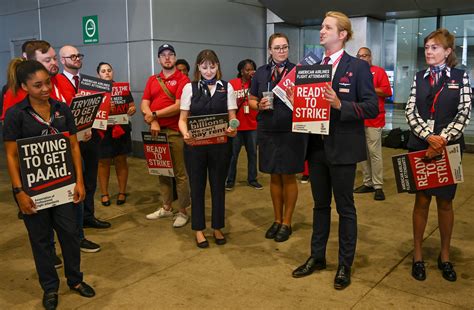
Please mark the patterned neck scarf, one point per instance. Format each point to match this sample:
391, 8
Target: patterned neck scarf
436, 72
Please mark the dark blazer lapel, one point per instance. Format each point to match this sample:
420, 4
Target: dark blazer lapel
341, 70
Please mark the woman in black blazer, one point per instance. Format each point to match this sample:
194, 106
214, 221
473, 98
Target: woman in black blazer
437, 112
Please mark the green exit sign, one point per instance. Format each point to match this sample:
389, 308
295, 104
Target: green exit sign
90, 29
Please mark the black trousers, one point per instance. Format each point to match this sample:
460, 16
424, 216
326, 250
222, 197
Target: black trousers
201, 160
90, 160
40, 229
326, 179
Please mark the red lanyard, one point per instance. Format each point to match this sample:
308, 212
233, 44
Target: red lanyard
435, 100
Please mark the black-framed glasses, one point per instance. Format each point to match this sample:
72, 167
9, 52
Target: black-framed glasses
74, 57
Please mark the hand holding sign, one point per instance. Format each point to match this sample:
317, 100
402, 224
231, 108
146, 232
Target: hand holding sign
79, 193
25, 203
330, 95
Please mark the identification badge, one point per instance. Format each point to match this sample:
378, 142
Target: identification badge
246, 109
453, 85
431, 125
344, 90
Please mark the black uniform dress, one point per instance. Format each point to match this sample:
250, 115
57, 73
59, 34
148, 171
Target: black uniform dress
63, 219
213, 159
280, 150
446, 109
111, 147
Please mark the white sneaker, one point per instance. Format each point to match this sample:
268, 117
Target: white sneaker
180, 220
160, 213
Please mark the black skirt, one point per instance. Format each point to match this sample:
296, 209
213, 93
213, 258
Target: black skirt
281, 152
110, 147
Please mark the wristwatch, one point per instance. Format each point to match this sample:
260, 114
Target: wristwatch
17, 190
155, 115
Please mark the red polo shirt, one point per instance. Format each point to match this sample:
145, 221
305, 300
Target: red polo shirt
380, 81
247, 121
160, 100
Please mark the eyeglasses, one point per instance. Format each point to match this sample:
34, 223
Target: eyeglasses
170, 55
363, 55
75, 57
283, 48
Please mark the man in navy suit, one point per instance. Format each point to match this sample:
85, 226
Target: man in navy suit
333, 158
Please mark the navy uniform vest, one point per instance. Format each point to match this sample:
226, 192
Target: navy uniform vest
446, 106
280, 118
203, 104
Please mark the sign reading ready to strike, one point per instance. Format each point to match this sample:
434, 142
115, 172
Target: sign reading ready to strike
90, 29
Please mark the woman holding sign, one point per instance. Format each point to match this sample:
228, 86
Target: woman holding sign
282, 153
39, 115
438, 111
115, 146
207, 95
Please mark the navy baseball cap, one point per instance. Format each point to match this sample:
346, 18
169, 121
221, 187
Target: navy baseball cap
165, 47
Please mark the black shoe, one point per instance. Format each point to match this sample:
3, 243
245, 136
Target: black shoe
89, 246
203, 244
255, 185
447, 270
343, 277
283, 234
58, 263
84, 290
96, 223
107, 202
309, 267
364, 189
229, 186
50, 300
379, 195
418, 270
220, 241
121, 201
272, 231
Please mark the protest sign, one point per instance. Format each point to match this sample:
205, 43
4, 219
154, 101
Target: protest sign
414, 172
208, 129
84, 109
47, 171
311, 111
89, 85
157, 154
119, 103
288, 80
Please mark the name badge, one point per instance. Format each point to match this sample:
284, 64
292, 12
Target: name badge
344, 90
453, 85
431, 124
246, 109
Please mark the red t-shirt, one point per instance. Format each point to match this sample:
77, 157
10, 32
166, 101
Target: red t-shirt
160, 100
380, 81
247, 120
9, 99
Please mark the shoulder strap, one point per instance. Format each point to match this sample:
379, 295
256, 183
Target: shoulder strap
165, 89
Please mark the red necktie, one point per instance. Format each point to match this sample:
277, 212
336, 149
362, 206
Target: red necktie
326, 60
76, 81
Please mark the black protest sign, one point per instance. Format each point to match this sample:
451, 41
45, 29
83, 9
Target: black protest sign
47, 170
84, 109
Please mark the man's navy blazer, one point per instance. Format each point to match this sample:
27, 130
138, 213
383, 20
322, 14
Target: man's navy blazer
353, 84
